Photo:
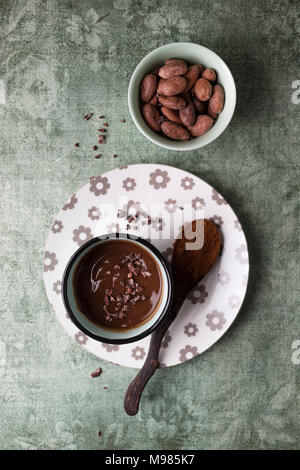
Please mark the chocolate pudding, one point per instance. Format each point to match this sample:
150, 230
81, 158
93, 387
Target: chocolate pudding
117, 285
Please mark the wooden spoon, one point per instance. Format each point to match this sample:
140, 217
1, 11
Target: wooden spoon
189, 266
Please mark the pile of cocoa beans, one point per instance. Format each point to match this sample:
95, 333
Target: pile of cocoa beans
181, 101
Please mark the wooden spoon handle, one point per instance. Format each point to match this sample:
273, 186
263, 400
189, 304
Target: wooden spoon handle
135, 389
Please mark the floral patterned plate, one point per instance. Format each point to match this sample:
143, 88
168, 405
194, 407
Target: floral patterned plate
175, 196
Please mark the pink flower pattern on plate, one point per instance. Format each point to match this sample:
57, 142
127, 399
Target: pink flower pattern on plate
50, 261
166, 340
132, 208
94, 213
159, 179
198, 295
237, 225
215, 320
170, 205
71, 203
223, 278
234, 301
57, 287
198, 203
57, 226
99, 185
218, 198
217, 220
81, 338
187, 353
110, 347
158, 224
190, 329
241, 254
129, 184
187, 183
82, 234
138, 353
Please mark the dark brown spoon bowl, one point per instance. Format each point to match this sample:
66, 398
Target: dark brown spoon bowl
189, 266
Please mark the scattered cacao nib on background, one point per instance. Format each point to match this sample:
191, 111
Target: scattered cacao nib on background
101, 139
95, 147
77, 144
96, 373
123, 120
105, 124
114, 155
88, 116
101, 117
99, 433
105, 388
99, 155
101, 130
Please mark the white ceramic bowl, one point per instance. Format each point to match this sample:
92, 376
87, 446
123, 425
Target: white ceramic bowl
193, 54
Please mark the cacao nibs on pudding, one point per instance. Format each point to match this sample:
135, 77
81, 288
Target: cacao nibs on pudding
105, 124
99, 155
95, 147
116, 306
101, 130
114, 155
123, 120
96, 373
77, 144
101, 117
99, 433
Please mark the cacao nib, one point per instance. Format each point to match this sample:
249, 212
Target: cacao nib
96, 373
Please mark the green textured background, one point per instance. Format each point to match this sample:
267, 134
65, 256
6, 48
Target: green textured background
62, 59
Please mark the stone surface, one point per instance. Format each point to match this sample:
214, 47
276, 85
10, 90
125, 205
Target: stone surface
61, 60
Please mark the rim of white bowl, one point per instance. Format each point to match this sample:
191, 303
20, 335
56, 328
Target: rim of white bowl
161, 141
